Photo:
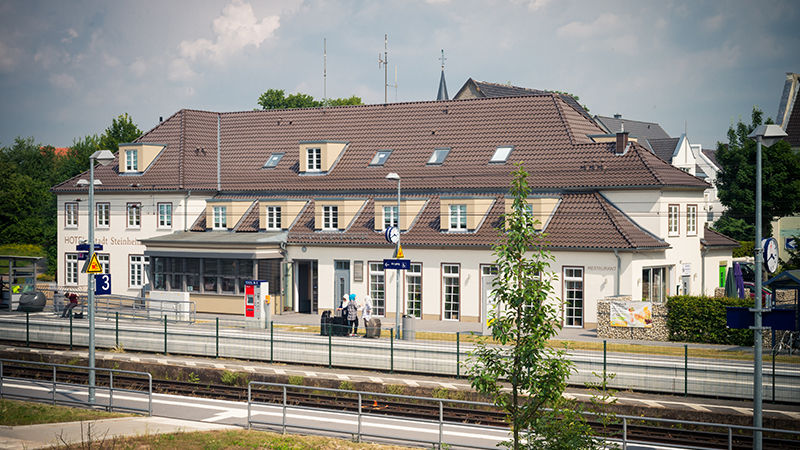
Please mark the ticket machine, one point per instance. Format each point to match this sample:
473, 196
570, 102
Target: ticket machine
257, 308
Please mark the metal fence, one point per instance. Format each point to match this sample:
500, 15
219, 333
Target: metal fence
682, 370
61, 385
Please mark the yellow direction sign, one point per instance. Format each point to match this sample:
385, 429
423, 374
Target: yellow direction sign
399, 252
94, 265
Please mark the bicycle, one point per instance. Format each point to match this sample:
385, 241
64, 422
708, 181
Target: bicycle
789, 342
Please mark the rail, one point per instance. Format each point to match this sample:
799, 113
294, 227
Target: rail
61, 391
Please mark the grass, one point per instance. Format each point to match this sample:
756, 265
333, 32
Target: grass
241, 439
13, 413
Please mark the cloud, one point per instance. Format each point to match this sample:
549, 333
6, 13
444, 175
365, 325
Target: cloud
180, 70
713, 23
138, 67
602, 25
63, 81
234, 30
535, 5
8, 57
71, 34
49, 57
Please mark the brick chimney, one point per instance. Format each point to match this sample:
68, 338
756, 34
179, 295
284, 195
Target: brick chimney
622, 143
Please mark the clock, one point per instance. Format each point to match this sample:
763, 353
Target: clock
392, 235
770, 246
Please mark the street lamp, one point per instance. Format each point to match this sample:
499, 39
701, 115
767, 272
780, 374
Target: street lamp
103, 157
768, 134
394, 176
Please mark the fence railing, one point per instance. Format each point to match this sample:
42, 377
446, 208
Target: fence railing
735, 433
61, 384
683, 370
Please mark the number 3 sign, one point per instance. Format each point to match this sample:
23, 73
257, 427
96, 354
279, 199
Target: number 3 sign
102, 284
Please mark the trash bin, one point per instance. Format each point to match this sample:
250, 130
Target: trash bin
409, 328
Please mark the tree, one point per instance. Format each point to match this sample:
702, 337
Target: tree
736, 181
277, 99
122, 130
522, 323
793, 263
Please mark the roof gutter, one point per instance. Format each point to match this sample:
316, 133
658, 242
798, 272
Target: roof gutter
619, 267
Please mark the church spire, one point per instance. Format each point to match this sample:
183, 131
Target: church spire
442, 95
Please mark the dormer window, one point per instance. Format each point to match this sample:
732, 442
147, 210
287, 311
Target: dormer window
501, 154
220, 218
389, 216
131, 160
330, 217
438, 156
380, 157
273, 217
273, 160
458, 217
313, 159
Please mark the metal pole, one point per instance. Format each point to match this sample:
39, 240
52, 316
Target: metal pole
330, 346
110, 390
165, 334
90, 282
283, 429
249, 399
116, 327
757, 338
685, 370
398, 306
624, 433
605, 364
27, 329
271, 340
54, 385
70, 331
458, 354
441, 423
217, 355
359, 417
391, 350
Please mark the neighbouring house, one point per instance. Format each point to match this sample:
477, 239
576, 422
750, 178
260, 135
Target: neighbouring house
207, 200
786, 229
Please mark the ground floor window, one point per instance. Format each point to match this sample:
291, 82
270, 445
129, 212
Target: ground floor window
654, 284
573, 296
71, 272
377, 288
224, 276
414, 290
451, 284
137, 273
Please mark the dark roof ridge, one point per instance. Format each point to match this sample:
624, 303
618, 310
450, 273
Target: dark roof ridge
635, 146
564, 120
628, 120
181, 156
141, 138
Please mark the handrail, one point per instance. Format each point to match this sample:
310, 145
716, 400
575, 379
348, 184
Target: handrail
55, 384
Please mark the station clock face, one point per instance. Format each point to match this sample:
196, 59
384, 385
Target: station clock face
393, 235
771, 254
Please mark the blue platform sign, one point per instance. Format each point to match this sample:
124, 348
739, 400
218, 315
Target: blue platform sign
83, 256
85, 247
102, 284
399, 264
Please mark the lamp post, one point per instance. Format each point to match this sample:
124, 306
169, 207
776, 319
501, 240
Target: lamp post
768, 134
394, 176
104, 157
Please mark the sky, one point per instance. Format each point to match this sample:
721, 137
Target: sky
67, 68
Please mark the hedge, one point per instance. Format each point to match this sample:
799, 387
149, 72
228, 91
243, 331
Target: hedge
703, 319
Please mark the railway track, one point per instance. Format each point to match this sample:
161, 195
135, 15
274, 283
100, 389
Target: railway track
379, 405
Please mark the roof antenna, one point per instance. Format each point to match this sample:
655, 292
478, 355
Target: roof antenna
385, 62
442, 94
395, 83
324, 70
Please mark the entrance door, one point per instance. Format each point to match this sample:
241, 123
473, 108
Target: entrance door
573, 296
488, 275
685, 284
306, 286
341, 277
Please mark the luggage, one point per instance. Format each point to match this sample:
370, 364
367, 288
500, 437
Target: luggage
340, 326
324, 323
373, 328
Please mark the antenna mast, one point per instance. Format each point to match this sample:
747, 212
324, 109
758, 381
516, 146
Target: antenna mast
324, 69
385, 62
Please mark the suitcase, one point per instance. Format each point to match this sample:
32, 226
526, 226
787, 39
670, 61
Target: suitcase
340, 326
324, 323
373, 328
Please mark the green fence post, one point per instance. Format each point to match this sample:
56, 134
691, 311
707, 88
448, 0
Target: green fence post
773, 376
165, 334
27, 329
271, 339
605, 366
217, 335
391, 350
685, 370
70, 331
458, 354
116, 327
330, 353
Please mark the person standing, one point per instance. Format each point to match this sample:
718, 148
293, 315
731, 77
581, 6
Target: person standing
352, 315
366, 313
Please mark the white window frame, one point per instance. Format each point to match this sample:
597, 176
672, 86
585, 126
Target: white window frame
330, 217
380, 157
691, 220
71, 269
273, 214
220, 217
165, 215
573, 313
448, 278
673, 220
134, 215
457, 218
390, 216
377, 288
103, 214
313, 159
70, 215
438, 156
105, 261
501, 154
655, 293
138, 266
131, 160
273, 160
414, 286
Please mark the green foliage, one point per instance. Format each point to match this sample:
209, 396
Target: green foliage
603, 397
277, 99
577, 99
296, 380
21, 250
537, 374
121, 131
230, 378
396, 389
346, 386
736, 179
703, 319
193, 378
746, 249
738, 229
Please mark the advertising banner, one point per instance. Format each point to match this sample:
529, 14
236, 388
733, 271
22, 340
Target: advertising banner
631, 314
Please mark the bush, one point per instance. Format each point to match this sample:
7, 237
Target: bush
746, 249
704, 320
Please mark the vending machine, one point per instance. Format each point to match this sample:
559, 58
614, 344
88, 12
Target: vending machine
257, 308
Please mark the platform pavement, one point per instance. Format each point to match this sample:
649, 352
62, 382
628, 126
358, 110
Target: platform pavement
97, 432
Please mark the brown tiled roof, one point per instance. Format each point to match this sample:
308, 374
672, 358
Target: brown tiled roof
713, 238
489, 90
249, 220
200, 223
547, 136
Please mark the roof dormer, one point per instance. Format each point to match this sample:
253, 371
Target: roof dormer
463, 213
386, 213
279, 214
336, 214
542, 209
319, 157
225, 214
134, 159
